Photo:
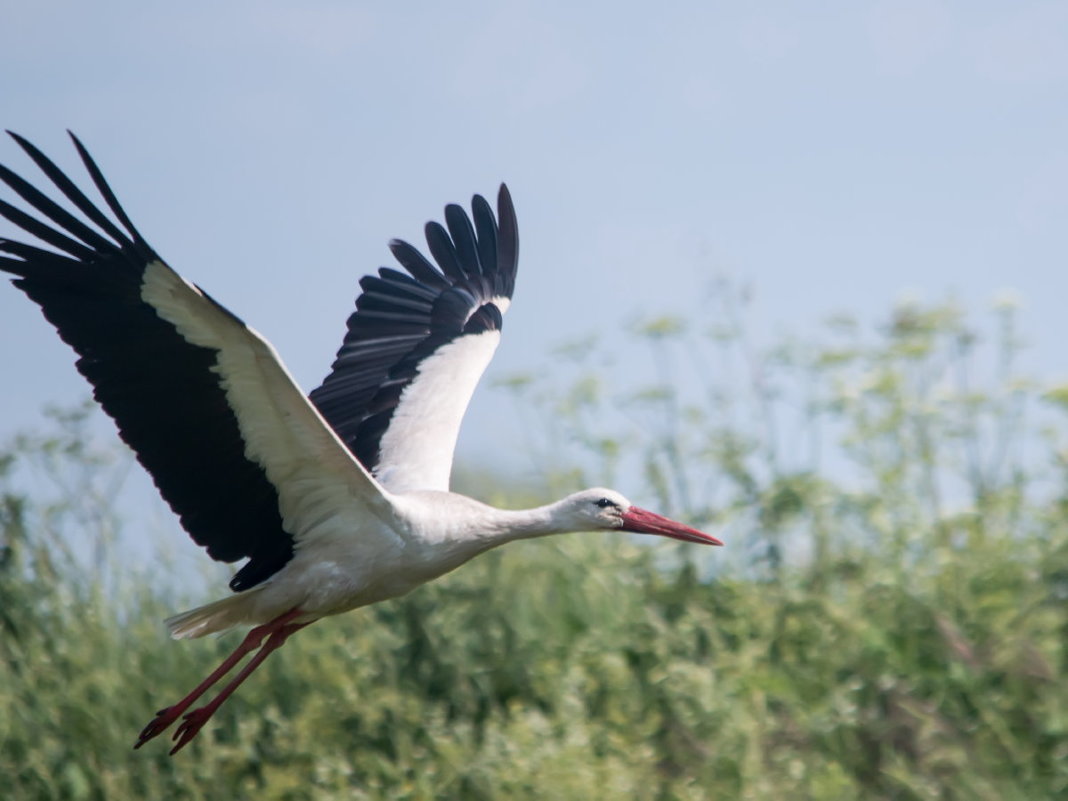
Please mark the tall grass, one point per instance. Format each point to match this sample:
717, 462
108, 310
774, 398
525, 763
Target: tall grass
880, 640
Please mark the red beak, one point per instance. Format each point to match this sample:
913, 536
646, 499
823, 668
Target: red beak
642, 521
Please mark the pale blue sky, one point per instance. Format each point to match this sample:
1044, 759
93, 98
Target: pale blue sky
834, 155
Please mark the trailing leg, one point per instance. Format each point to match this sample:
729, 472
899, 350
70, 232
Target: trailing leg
253, 640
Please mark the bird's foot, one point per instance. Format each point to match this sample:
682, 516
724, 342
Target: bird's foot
192, 723
159, 724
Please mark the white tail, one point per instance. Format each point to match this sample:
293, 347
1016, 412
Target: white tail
214, 617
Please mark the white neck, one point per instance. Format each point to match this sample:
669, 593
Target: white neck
451, 520
522, 524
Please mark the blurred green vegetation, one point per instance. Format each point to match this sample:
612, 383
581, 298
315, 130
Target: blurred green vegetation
888, 621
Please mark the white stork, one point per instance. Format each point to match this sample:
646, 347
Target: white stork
336, 500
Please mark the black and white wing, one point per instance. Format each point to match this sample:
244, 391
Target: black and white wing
418, 343
231, 442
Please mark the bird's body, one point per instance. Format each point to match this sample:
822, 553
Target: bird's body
334, 500
360, 559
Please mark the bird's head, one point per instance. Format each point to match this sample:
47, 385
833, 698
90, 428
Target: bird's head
600, 508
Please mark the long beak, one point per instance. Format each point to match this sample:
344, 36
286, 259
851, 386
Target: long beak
643, 521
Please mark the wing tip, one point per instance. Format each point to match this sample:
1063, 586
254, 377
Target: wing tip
508, 237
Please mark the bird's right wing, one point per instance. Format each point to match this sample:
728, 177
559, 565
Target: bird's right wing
231, 442
418, 343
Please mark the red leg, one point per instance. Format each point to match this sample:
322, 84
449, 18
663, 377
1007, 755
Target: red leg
196, 719
165, 717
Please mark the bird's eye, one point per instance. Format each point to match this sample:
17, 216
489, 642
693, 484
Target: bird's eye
604, 503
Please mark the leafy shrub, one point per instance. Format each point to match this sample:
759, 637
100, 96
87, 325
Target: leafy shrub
889, 620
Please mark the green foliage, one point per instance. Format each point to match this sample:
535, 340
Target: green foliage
892, 622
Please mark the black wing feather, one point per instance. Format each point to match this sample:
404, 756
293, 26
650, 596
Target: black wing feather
43, 232
485, 235
160, 389
68, 188
444, 252
463, 237
507, 243
416, 263
401, 319
105, 190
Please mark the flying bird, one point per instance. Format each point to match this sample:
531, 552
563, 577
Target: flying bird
335, 500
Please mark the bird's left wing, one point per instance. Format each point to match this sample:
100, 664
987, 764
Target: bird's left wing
235, 448
418, 343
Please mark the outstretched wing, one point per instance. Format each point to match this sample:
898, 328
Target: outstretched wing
418, 343
231, 442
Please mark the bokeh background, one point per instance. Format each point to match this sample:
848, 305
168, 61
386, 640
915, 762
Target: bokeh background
792, 272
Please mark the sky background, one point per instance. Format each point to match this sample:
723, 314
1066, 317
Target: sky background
834, 156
